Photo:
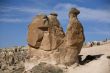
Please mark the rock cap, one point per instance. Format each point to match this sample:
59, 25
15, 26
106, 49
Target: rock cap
42, 16
53, 13
74, 11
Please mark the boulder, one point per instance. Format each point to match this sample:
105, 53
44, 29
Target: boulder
45, 68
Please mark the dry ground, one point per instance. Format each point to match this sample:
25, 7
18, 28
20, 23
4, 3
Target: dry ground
101, 65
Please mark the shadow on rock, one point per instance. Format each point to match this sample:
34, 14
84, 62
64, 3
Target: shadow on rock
108, 57
86, 59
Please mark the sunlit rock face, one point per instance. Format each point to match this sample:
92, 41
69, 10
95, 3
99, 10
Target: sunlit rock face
37, 30
74, 38
56, 31
48, 42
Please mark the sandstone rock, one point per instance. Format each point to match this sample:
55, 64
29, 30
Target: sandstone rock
74, 34
56, 31
45, 43
54, 43
36, 30
45, 32
74, 38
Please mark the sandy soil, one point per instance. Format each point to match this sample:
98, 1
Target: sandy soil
95, 50
101, 65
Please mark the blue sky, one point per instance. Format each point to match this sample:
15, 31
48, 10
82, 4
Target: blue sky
16, 15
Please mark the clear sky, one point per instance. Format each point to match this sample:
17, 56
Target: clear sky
16, 15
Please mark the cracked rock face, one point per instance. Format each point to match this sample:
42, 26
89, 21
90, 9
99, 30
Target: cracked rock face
46, 34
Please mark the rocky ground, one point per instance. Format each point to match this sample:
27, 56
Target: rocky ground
12, 59
95, 59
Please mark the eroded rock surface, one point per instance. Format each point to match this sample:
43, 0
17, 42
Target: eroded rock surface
51, 41
36, 30
74, 38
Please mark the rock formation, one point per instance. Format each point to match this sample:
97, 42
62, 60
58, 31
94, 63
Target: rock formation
56, 31
36, 30
46, 34
74, 38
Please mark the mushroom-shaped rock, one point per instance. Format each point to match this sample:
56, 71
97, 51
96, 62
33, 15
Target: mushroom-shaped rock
74, 37
73, 41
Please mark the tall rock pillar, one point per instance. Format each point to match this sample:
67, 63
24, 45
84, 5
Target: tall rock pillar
74, 37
